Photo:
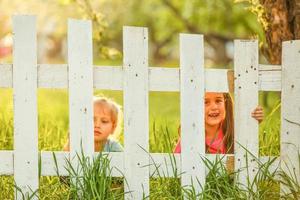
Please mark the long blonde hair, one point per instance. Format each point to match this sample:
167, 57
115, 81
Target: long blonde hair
115, 111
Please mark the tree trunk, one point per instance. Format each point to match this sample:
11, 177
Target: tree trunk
284, 24
294, 17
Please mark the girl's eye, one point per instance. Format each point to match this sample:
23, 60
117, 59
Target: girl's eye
104, 121
219, 101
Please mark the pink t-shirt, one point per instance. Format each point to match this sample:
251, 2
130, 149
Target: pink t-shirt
215, 146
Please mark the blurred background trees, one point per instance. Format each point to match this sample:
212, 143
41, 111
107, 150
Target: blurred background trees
219, 21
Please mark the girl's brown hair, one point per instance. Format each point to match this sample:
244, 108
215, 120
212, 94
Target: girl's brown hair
228, 124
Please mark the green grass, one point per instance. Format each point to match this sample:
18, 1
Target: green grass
53, 128
94, 182
269, 129
6, 187
92, 179
53, 116
163, 123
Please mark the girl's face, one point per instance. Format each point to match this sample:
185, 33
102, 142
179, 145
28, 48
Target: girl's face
214, 109
103, 123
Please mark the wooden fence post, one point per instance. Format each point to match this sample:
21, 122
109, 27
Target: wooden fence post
246, 99
290, 110
192, 111
136, 112
80, 63
25, 104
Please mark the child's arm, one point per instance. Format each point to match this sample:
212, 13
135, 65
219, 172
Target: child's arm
258, 114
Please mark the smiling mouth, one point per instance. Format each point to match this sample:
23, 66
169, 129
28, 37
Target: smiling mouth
214, 114
97, 133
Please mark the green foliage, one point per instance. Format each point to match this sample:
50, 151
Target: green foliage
269, 129
166, 18
257, 8
289, 180
92, 180
269, 136
220, 22
52, 187
6, 187
220, 182
53, 119
25, 195
161, 186
164, 121
6, 120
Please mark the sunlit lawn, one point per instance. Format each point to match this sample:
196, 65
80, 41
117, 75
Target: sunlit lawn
164, 118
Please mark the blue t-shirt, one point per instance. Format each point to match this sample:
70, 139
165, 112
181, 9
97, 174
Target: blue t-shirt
112, 146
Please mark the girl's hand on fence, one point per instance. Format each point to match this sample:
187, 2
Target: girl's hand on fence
258, 114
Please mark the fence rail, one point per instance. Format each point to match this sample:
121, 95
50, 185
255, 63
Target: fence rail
136, 79
160, 79
117, 163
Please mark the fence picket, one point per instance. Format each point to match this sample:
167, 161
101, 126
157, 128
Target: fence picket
192, 110
25, 105
80, 60
290, 109
246, 99
136, 112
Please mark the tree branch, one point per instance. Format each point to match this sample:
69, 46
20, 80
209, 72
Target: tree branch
191, 27
216, 41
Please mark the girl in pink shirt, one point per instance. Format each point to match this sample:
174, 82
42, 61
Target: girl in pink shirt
219, 126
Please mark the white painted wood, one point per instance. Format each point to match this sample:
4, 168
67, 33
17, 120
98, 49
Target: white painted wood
52, 76
216, 80
192, 110
110, 78
263, 67
165, 165
163, 79
269, 77
80, 61
162, 162
275, 166
136, 111
290, 109
25, 104
160, 79
6, 75
48, 165
6, 163
246, 99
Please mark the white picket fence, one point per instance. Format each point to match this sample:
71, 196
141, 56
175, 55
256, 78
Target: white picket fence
136, 79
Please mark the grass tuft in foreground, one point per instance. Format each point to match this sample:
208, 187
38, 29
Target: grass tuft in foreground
93, 180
